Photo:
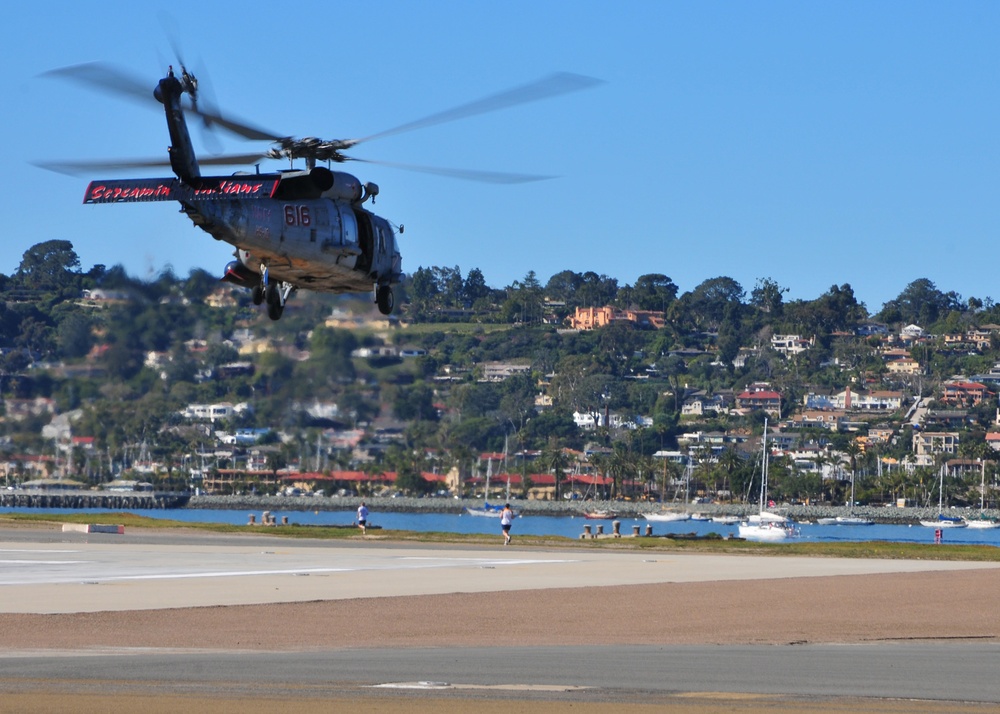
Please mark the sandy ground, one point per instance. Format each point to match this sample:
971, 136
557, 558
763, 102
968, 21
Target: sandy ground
844, 609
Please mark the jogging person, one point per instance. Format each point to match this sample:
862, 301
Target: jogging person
363, 518
506, 520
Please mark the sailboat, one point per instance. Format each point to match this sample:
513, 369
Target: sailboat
850, 519
765, 526
942, 520
487, 509
669, 516
981, 522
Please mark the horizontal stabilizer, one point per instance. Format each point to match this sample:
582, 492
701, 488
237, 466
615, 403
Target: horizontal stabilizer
172, 189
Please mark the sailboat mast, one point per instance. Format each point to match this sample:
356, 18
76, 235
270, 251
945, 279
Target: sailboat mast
941, 489
489, 472
763, 467
506, 466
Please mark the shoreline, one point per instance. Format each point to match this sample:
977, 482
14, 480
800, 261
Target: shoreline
623, 509
82, 500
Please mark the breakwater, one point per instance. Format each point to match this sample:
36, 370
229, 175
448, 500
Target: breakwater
623, 509
131, 501
92, 499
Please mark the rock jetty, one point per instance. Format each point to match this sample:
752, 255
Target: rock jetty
91, 499
622, 509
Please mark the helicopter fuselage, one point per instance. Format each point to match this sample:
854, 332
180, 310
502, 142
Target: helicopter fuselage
324, 244
296, 229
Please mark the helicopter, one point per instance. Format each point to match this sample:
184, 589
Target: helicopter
296, 228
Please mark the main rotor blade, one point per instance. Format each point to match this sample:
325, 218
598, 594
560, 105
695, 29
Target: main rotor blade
551, 86
498, 177
79, 167
238, 127
111, 79
107, 78
74, 168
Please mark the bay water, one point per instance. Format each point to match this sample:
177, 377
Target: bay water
565, 526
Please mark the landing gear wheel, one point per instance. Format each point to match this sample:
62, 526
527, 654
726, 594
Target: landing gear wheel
385, 299
258, 294
274, 306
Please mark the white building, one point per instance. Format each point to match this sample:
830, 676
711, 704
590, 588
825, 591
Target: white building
211, 412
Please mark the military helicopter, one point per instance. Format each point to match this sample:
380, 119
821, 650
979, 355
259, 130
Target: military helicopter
294, 228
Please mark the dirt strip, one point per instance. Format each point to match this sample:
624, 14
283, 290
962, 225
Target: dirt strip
842, 609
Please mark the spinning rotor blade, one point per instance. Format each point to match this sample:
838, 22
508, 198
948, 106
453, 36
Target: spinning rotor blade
238, 127
551, 86
106, 78
80, 167
74, 168
464, 174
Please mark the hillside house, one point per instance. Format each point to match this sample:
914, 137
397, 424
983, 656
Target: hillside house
500, 371
964, 394
876, 401
212, 412
905, 365
834, 420
589, 318
789, 345
766, 400
928, 444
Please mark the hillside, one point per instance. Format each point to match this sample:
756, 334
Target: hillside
578, 386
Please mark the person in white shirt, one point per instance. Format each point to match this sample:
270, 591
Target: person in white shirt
363, 518
506, 520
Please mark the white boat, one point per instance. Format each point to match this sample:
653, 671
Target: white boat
664, 516
982, 523
766, 517
765, 531
668, 516
726, 520
489, 510
765, 526
943, 521
601, 515
848, 520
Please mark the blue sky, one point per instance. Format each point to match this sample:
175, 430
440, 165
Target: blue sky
813, 143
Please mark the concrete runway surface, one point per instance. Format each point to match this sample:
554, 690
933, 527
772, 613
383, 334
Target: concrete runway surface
48, 572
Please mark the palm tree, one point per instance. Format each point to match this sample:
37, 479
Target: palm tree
554, 460
853, 451
620, 465
601, 465
671, 470
730, 463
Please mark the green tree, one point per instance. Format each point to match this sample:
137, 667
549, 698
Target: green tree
654, 291
415, 402
74, 335
554, 460
524, 300
49, 266
920, 303
767, 296
705, 306
474, 288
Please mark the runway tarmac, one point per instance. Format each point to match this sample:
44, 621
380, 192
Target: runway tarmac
50, 574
